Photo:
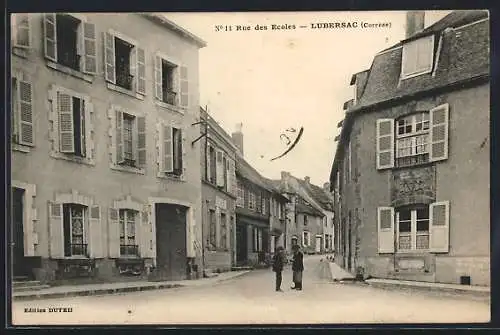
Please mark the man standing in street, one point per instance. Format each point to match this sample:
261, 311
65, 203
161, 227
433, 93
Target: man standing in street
297, 268
278, 267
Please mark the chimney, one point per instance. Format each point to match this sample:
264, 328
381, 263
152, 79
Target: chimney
326, 187
307, 179
238, 137
415, 21
285, 175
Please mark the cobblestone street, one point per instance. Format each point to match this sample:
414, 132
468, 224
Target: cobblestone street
251, 299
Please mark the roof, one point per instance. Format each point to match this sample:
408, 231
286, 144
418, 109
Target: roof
162, 20
302, 208
246, 171
318, 194
461, 56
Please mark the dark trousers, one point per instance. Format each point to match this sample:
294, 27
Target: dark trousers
297, 280
279, 279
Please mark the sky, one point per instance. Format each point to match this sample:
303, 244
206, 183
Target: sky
274, 80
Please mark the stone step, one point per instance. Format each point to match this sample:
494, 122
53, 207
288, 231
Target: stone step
25, 283
30, 288
20, 278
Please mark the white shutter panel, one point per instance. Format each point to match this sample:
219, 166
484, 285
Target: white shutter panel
109, 57
219, 168
56, 232
167, 158
439, 226
113, 233
50, 36
233, 177
141, 71
120, 148
158, 78
145, 234
66, 122
89, 48
133, 67
96, 247
217, 227
385, 143
25, 117
184, 87
228, 175
141, 141
22, 33
208, 162
385, 224
439, 118
191, 234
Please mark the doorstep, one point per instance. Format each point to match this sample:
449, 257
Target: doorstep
440, 287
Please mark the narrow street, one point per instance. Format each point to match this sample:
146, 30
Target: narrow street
251, 299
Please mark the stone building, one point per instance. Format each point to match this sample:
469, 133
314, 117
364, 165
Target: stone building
105, 178
411, 171
218, 195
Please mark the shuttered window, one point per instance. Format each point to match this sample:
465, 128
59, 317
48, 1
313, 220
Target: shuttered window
128, 241
223, 230
72, 124
130, 139
212, 228
172, 150
418, 57
70, 41
74, 224
21, 30
306, 238
240, 198
167, 80
22, 111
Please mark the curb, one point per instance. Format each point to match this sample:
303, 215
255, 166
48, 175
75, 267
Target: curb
484, 294
111, 291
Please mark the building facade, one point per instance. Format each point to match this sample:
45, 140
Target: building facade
218, 196
105, 179
422, 186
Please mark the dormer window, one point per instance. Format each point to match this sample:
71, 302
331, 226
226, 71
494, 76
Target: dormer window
418, 57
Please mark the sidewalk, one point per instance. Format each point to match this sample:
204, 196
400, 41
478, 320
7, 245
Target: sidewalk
482, 291
112, 288
339, 274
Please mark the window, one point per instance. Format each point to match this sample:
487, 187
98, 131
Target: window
306, 220
306, 238
240, 200
258, 203
172, 152
22, 111
223, 231
251, 200
264, 205
125, 63
166, 81
418, 57
257, 239
414, 139
72, 134
74, 219
128, 242
213, 165
413, 228
71, 42
21, 30
213, 229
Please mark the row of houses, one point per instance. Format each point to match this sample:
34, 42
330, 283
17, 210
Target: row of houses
116, 170
411, 173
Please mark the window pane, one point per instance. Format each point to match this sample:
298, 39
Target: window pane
423, 225
422, 241
423, 213
404, 215
405, 242
404, 226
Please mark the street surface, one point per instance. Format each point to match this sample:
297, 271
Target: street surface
251, 299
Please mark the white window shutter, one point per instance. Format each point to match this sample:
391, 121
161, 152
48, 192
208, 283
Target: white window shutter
56, 230
50, 36
158, 78
141, 71
385, 225
113, 233
184, 100
25, 116
21, 24
96, 245
208, 162
109, 57
219, 168
66, 122
228, 175
89, 48
144, 226
439, 123
439, 227
231, 187
385, 143
120, 148
217, 227
191, 236
133, 67
182, 135
167, 158
141, 140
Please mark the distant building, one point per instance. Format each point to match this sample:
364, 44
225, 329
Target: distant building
105, 181
218, 195
411, 171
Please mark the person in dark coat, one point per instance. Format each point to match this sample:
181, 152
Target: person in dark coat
278, 267
297, 268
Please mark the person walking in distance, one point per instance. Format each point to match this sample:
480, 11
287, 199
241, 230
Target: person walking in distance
278, 267
297, 268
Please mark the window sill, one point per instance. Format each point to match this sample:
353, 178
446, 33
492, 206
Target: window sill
21, 52
413, 166
122, 90
415, 74
71, 72
173, 177
76, 257
173, 108
74, 159
20, 148
415, 253
128, 169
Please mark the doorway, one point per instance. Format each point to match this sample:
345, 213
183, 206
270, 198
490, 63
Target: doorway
318, 244
241, 244
17, 235
171, 249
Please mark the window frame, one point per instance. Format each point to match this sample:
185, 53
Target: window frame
136, 216
176, 64
412, 136
17, 121
85, 218
304, 234
413, 229
240, 195
404, 58
251, 200
164, 171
